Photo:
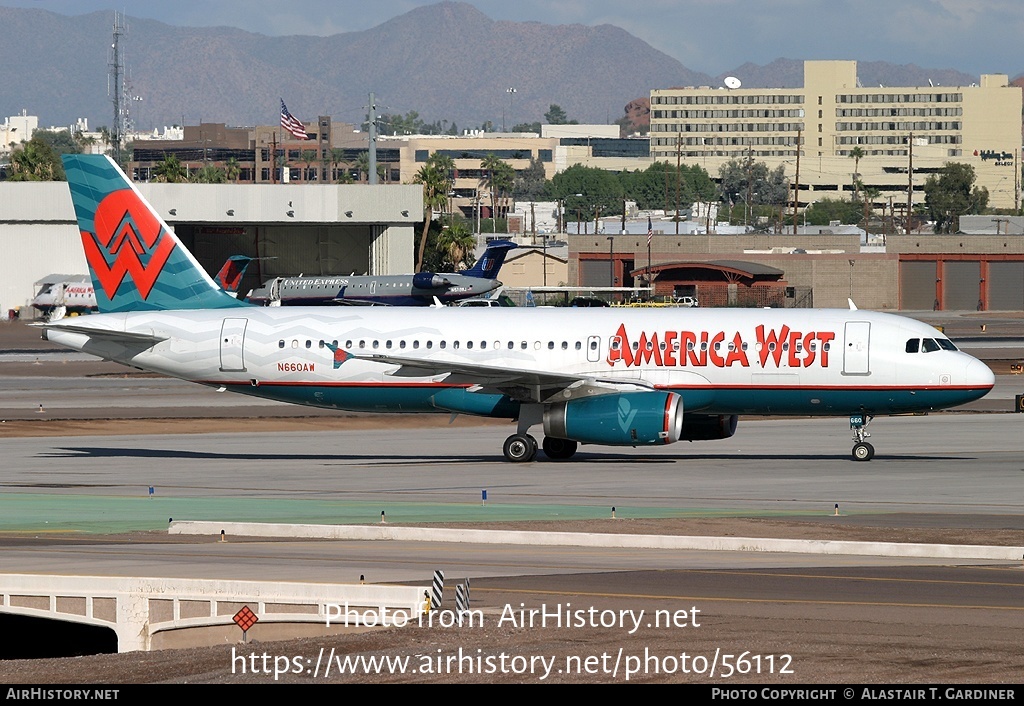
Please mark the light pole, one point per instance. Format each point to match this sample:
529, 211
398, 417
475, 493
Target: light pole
611, 261
511, 92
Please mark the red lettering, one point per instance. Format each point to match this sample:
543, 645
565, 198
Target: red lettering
647, 350
716, 359
794, 348
771, 344
808, 349
737, 354
670, 352
825, 337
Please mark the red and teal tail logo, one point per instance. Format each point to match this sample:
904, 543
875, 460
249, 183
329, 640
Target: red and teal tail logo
136, 261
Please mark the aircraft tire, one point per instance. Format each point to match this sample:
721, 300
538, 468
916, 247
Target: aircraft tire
559, 449
863, 451
520, 448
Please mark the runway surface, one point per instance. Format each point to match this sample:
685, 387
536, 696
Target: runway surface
82, 504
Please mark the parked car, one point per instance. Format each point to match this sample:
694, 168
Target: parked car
686, 301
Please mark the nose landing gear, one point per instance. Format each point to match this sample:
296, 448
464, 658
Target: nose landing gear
862, 450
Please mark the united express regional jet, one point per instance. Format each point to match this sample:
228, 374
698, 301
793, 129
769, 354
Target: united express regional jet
618, 377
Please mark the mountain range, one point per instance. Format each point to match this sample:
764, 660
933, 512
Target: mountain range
447, 61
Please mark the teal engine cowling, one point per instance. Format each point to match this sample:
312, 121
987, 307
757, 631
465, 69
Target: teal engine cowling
624, 419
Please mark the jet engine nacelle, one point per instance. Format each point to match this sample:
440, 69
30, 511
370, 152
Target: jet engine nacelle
428, 280
624, 419
707, 427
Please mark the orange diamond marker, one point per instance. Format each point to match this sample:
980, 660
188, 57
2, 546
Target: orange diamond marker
245, 618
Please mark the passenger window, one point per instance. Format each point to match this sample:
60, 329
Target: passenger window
321, 344
415, 344
913, 345
523, 345
551, 345
443, 344
295, 343
455, 345
280, 344
376, 344
387, 345
309, 344
579, 346
430, 344
401, 344
593, 345
511, 345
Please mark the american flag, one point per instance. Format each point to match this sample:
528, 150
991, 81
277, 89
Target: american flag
290, 123
650, 231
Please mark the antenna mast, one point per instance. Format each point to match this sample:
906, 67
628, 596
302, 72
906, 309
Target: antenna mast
116, 86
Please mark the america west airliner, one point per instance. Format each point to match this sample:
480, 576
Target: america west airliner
605, 376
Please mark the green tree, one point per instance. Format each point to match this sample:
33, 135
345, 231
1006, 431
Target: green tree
232, 170
823, 212
36, 160
952, 194
60, 141
497, 179
531, 183
557, 116
856, 154
170, 170
455, 244
307, 157
209, 174
527, 127
435, 197
743, 178
587, 192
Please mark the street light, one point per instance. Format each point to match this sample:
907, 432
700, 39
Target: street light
611, 261
510, 92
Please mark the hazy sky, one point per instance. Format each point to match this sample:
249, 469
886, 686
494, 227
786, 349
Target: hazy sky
713, 36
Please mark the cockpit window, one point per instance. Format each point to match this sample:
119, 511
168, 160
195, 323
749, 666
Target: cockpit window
930, 346
946, 344
913, 345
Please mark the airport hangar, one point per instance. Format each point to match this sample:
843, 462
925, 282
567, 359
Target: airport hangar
310, 229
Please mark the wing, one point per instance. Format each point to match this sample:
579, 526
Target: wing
520, 384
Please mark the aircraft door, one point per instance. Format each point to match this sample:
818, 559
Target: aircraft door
594, 349
856, 360
232, 341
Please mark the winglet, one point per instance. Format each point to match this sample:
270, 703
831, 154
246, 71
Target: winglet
853, 307
437, 303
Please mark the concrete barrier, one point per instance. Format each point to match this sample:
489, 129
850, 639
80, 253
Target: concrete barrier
587, 539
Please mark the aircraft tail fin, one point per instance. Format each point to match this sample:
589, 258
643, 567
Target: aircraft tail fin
229, 278
136, 261
490, 263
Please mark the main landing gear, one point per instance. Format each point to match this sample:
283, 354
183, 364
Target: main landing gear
521, 447
862, 450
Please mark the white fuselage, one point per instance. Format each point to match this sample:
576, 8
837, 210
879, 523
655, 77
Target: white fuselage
737, 361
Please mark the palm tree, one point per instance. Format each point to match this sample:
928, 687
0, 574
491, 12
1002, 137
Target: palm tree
232, 170
170, 170
435, 195
307, 157
856, 154
445, 165
456, 243
338, 157
491, 164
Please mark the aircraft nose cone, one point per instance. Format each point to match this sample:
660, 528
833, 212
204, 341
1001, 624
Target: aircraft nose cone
979, 375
